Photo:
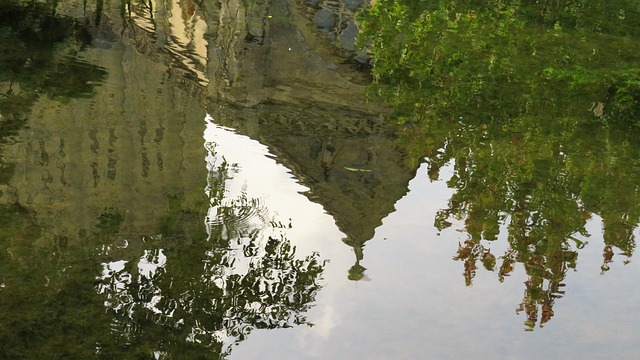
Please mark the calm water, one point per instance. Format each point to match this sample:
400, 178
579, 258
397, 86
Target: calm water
186, 181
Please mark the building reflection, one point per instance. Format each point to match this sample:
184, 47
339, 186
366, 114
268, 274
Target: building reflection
254, 72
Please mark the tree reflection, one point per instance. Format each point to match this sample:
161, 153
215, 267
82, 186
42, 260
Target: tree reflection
197, 287
192, 290
536, 118
544, 182
497, 59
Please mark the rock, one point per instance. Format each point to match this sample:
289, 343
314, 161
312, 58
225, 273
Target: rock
325, 20
352, 4
348, 37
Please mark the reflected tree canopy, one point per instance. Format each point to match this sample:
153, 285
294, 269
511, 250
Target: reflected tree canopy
248, 278
543, 183
536, 105
501, 59
191, 289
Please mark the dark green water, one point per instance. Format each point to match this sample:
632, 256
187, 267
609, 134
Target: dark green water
186, 180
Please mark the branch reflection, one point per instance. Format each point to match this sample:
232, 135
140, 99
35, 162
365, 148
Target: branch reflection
249, 276
539, 121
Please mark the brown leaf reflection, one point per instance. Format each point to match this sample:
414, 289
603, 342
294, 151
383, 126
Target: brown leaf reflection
538, 301
540, 291
544, 283
470, 253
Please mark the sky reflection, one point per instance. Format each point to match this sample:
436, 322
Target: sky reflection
417, 305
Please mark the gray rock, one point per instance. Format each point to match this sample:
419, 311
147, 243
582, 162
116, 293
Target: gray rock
348, 37
352, 4
325, 20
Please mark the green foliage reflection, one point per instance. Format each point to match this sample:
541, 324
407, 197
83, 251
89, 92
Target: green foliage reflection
544, 182
541, 181
197, 288
499, 59
192, 290
535, 105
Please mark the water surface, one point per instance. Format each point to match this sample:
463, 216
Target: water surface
186, 181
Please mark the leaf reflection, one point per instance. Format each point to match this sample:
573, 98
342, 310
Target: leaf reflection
543, 188
195, 287
540, 140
